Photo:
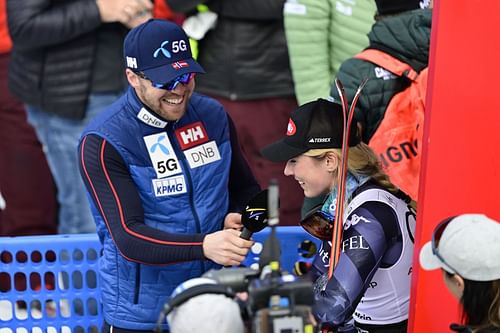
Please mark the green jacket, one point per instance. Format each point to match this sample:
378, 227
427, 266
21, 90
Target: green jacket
320, 35
405, 37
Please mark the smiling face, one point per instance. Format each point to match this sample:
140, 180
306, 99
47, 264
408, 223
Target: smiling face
315, 175
169, 104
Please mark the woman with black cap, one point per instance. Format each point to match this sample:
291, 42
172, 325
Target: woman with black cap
369, 287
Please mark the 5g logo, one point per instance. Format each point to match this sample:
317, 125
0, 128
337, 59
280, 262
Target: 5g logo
178, 46
167, 165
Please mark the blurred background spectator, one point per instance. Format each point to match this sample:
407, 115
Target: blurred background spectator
26, 183
66, 67
321, 34
401, 32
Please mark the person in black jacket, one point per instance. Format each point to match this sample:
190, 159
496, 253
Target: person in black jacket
66, 68
246, 59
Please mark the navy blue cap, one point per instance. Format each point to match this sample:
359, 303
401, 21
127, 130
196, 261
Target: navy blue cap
160, 49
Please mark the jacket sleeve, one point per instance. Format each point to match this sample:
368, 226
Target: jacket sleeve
39, 23
307, 33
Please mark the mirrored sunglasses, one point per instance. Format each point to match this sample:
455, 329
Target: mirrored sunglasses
318, 223
436, 237
170, 85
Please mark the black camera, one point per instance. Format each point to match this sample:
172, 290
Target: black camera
277, 302
280, 304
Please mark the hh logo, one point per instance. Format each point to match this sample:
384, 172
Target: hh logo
131, 62
191, 135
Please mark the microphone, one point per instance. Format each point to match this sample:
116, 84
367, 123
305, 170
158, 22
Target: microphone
254, 217
271, 251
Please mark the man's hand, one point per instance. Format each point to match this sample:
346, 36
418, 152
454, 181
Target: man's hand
127, 12
225, 247
233, 221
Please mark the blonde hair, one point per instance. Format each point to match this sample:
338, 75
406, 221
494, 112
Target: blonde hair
361, 161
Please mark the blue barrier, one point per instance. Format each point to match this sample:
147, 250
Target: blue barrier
49, 284
292, 246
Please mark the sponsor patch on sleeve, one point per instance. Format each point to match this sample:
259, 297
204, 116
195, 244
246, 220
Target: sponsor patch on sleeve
192, 135
202, 155
169, 186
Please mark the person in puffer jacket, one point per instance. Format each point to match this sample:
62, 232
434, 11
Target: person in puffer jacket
165, 178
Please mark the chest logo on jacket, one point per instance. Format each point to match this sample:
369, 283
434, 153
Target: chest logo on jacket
169, 186
150, 119
191, 135
202, 155
162, 155
193, 141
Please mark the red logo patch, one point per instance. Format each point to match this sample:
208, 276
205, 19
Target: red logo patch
191, 135
179, 64
291, 128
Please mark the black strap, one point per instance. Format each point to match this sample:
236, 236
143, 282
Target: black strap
400, 327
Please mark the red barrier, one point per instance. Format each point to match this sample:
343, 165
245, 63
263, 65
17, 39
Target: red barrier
461, 153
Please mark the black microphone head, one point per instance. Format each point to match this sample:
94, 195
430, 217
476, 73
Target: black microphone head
254, 217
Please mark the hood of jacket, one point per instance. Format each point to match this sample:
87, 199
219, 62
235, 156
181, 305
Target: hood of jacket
406, 36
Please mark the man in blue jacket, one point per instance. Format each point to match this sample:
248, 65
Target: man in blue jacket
166, 178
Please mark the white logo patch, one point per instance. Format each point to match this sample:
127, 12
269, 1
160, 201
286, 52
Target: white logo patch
149, 119
344, 9
162, 155
384, 74
355, 219
131, 62
319, 140
202, 155
294, 8
169, 186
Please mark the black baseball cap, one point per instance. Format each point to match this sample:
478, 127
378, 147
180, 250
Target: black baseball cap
390, 7
314, 125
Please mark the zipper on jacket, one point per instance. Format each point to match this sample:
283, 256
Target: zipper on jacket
189, 180
137, 284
